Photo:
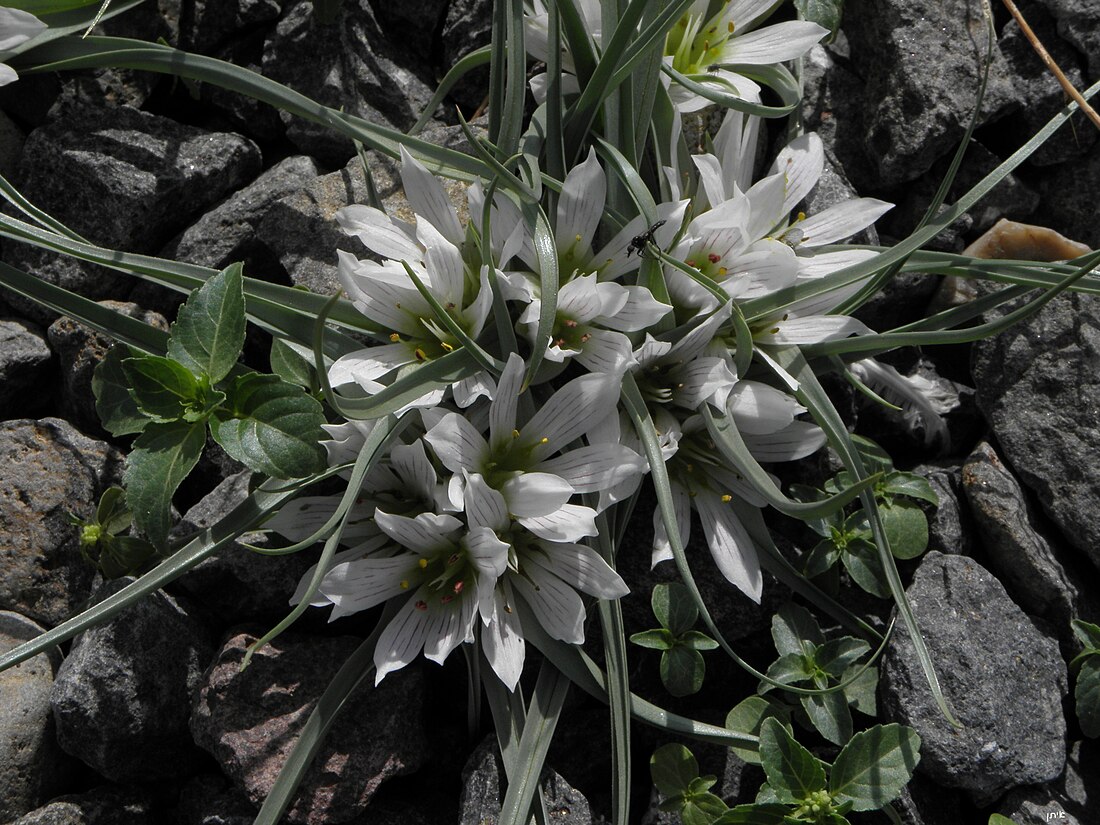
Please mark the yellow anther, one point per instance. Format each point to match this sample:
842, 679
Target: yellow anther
722, 270
577, 238
423, 563
730, 26
420, 354
544, 440
727, 498
404, 584
447, 347
515, 433
395, 337
801, 216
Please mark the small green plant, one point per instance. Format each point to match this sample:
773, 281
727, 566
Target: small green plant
682, 665
101, 543
846, 535
1087, 666
266, 423
868, 773
806, 659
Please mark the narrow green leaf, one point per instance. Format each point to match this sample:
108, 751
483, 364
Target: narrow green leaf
874, 766
673, 767
409, 386
118, 411
1087, 695
682, 670
271, 427
164, 389
162, 457
793, 772
208, 335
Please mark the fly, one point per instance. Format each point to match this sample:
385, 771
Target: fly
639, 243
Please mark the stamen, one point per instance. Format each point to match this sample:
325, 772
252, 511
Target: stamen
544, 440
420, 354
690, 262
713, 258
394, 337
452, 560
447, 347
571, 323
727, 498
404, 584
722, 270
421, 605
515, 433
458, 586
423, 564
730, 27
446, 599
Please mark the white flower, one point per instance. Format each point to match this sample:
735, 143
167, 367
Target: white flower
546, 574
16, 27
531, 466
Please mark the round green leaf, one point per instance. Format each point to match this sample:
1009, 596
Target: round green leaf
1087, 695
674, 607
793, 772
906, 528
682, 670
673, 767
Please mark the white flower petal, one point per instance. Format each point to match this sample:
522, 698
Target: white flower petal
360, 585
730, 545
402, 639
712, 177
449, 626
605, 352
502, 639
841, 221
580, 299
369, 364
428, 199
580, 205
613, 257
760, 408
640, 311
580, 567
443, 262
458, 444
773, 44
485, 507
801, 163
16, 27
570, 412
502, 412
425, 533
590, 469
411, 463
378, 233
813, 330
555, 605
530, 495
570, 522
797, 440
681, 506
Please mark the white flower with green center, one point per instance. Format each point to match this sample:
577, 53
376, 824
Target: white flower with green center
384, 292
532, 464
765, 418
699, 45
16, 28
547, 575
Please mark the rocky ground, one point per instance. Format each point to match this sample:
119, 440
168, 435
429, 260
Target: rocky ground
148, 719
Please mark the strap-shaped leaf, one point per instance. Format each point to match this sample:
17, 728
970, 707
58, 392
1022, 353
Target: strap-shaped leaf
733, 448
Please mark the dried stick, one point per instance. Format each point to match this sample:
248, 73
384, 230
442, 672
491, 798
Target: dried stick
1044, 55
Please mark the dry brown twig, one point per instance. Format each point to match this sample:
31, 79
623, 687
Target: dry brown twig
1044, 55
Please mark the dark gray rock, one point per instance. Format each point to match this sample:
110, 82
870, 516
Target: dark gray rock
209, 799
301, 229
1041, 96
250, 720
48, 469
206, 25
482, 782
100, 806
237, 583
468, 26
920, 60
949, 524
11, 146
25, 359
347, 64
1079, 23
80, 349
122, 697
1038, 385
981, 643
415, 24
227, 233
1033, 569
1065, 198
32, 767
123, 179
1069, 800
